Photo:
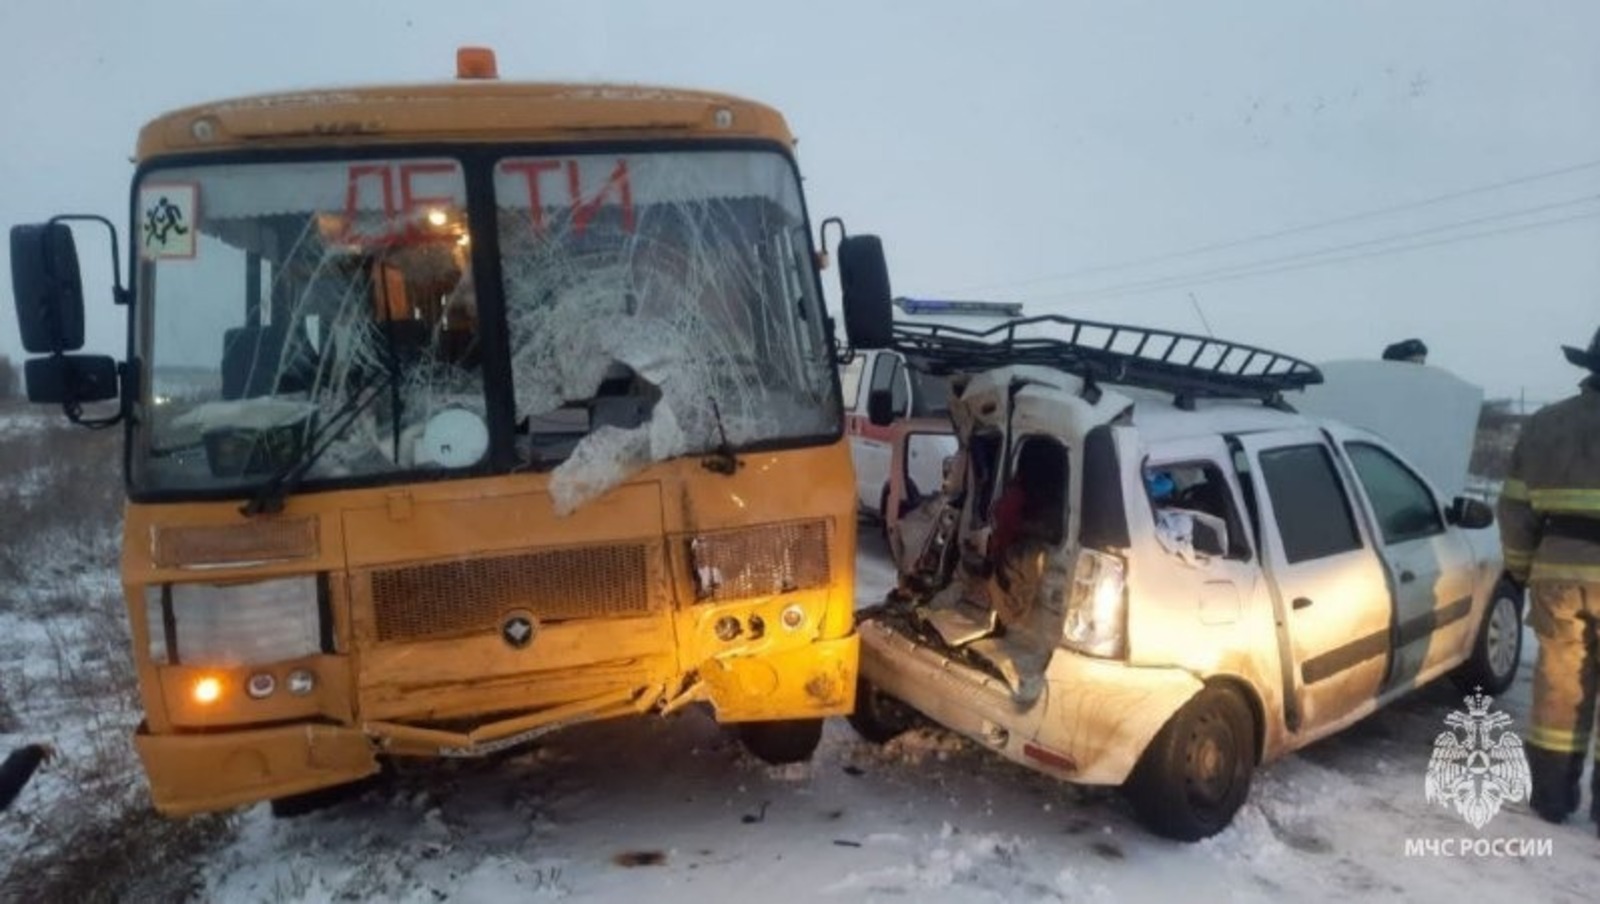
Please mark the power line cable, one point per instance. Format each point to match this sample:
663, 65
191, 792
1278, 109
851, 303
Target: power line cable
1291, 230
1329, 261
1184, 279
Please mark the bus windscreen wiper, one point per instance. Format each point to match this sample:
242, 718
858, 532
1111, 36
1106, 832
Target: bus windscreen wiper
269, 496
722, 459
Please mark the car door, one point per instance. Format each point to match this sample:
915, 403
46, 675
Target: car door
927, 456
1430, 567
1328, 581
870, 447
856, 380
1217, 587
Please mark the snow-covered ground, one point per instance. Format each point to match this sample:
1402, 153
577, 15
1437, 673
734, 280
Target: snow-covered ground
673, 810
14, 420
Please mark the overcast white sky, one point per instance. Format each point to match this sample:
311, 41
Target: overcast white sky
1001, 149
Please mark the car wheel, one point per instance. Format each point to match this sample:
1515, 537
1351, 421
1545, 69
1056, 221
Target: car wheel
878, 717
1195, 775
1492, 667
783, 741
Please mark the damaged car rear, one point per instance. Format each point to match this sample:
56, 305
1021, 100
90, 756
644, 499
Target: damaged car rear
1146, 570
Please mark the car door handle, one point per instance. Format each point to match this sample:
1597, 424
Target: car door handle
1301, 602
1407, 577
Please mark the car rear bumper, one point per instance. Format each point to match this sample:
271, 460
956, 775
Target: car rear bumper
1089, 726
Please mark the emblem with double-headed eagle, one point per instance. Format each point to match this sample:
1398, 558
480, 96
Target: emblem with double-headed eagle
1477, 765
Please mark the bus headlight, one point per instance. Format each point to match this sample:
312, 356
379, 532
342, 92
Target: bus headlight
235, 624
759, 561
1097, 608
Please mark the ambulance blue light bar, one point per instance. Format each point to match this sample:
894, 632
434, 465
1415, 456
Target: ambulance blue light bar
964, 308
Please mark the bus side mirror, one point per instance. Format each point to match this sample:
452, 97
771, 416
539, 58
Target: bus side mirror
880, 408
864, 288
47, 287
70, 379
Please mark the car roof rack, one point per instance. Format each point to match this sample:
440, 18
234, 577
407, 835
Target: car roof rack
1188, 366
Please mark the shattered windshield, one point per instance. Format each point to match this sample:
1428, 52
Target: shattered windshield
287, 307
658, 304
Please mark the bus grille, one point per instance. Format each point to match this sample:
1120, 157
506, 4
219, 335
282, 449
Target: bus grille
448, 598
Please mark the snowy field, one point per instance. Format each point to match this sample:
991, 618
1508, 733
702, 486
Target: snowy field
670, 811
673, 810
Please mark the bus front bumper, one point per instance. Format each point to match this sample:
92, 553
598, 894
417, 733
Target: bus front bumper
193, 772
196, 773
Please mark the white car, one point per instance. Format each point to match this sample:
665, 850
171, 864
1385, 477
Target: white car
1164, 581
903, 393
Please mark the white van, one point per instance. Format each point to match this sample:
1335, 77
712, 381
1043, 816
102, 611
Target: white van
905, 393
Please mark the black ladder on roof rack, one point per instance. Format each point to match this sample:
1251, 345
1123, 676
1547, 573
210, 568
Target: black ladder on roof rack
1189, 366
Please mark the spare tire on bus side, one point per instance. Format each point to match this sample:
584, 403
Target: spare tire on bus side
865, 294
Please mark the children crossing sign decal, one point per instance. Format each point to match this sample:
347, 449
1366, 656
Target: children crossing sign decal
167, 219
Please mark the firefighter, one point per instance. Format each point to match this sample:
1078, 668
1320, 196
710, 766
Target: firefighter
1550, 531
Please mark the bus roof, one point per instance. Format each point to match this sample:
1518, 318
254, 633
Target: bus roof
465, 110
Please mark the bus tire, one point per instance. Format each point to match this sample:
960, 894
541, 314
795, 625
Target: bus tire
293, 805
782, 741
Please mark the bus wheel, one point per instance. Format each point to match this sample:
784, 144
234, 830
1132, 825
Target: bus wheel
293, 805
311, 801
783, 741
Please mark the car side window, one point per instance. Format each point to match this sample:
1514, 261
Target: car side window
900, 390
850, 381
930, 394
1312, 513
1198, 486
1403, 504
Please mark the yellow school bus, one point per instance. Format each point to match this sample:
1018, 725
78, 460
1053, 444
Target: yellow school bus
457, 414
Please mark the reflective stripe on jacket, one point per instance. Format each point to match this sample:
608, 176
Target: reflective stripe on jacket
1550, 505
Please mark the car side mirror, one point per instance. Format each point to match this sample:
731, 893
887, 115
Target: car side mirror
864, 290
70, 379
880, 408
1472, 514
47, 287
